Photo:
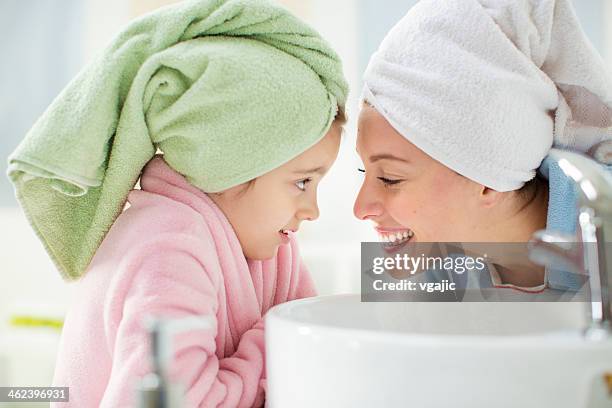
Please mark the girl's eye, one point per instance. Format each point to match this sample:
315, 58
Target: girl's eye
302, 184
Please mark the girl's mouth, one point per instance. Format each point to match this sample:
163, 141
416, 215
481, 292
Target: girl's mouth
284, 237
284, 234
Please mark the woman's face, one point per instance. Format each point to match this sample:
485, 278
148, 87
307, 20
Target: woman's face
406, 192
279, 200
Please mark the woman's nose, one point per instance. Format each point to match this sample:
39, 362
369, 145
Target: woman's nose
366, 204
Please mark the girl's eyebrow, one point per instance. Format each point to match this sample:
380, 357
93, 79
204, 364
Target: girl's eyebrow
318, 170
386, 156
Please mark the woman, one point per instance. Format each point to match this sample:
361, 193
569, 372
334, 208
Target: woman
462, 103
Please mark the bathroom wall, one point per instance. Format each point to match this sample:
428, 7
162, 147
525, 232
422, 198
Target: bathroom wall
41, 50
54, 42
606, 47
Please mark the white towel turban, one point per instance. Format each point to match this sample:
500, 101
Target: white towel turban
487, 86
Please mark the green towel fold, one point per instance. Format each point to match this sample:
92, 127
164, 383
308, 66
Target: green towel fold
227, 89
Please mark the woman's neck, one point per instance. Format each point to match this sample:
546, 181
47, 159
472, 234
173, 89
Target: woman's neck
531, 217
518, 229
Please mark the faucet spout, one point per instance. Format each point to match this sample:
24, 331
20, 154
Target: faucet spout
589, 254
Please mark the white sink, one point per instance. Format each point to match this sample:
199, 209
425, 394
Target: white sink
335, 351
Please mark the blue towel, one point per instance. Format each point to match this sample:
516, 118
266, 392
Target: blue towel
562, 217
562, 196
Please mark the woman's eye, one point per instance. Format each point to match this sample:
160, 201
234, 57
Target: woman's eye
388, 182
302, 184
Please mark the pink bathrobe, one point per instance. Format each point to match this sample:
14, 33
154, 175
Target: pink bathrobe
173, 253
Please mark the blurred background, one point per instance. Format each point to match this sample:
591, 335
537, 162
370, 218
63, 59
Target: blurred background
44, 43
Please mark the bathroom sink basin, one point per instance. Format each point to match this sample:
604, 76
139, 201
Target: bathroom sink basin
335, 351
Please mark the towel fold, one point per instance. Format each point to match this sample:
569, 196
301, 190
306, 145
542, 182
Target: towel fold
227, 89
486, 87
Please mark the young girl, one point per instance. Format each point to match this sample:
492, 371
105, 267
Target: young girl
245, 102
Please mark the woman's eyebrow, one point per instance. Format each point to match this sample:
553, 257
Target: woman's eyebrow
318, 170
386, 156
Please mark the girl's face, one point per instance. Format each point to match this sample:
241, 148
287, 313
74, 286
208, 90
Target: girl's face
406, 192
279, 200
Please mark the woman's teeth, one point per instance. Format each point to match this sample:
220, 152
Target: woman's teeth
396, 237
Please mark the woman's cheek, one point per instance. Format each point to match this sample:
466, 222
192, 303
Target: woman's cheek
404, 206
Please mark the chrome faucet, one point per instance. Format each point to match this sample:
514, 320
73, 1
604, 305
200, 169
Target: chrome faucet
156, 390
586, 251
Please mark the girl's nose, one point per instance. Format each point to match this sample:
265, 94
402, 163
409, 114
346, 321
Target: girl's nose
366, 204
310, 211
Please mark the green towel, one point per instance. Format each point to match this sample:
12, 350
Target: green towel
227, 89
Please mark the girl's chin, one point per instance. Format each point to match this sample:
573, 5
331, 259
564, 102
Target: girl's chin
263, 254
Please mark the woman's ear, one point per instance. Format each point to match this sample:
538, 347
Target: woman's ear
489, 198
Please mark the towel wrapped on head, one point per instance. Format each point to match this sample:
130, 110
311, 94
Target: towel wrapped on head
227, 89
487, 87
